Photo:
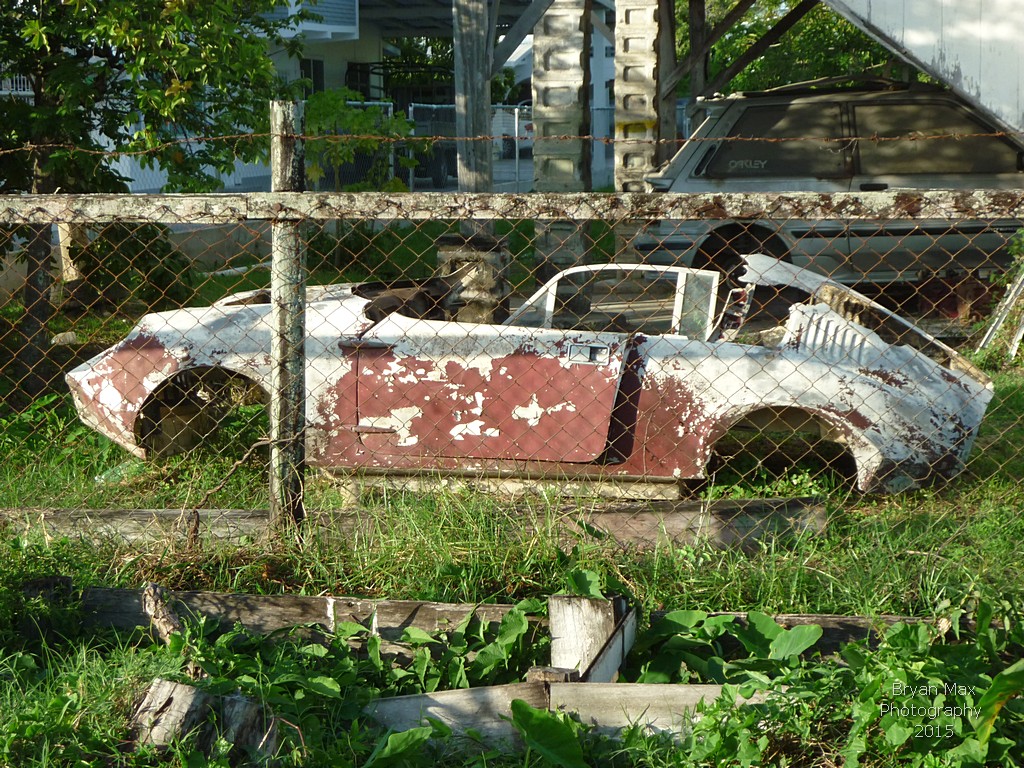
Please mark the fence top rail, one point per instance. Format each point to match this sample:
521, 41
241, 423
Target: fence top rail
950, 205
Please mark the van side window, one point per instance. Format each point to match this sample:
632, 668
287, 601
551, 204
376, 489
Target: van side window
927, 138
783, 140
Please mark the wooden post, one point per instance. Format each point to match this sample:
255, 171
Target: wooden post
288, 307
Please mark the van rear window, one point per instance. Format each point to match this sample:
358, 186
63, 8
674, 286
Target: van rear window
928, 138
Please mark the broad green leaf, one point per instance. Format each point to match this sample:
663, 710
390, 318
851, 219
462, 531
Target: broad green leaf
757, 636
514, 625
897, 733
325, 686
546, 734
793, 642
417, 636
1005, 686
585, 584
396, 746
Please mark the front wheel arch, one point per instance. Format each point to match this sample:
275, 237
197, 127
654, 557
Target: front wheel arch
190, 407
724, 247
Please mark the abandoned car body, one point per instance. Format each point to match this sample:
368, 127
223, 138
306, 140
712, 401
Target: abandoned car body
610, 372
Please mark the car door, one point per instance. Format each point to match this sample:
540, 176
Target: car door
444, 389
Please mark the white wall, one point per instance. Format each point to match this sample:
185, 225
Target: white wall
974, 46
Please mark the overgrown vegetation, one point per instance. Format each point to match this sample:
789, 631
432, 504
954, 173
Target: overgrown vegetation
917, 699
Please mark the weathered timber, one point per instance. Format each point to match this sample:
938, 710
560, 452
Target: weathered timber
487, 711
655, 522
132, 525
579, 627
170, 711
607, 706
123, 609
163, 619
725, 523
614, 706
951, 205
287, 316
605, 666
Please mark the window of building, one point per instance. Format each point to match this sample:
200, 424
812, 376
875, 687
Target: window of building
313, 71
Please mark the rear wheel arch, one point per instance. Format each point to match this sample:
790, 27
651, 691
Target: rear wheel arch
777, 437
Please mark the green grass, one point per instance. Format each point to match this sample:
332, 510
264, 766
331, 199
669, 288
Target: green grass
66, 694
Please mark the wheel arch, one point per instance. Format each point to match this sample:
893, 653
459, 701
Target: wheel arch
189, 406
724, 241
863, 464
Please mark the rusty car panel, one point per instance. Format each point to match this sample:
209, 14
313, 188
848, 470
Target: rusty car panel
609, 372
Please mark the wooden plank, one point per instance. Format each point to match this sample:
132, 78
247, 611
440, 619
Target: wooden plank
136, 524
951, 205
605, 706
725, 523
580, 628
123, 609
656, 522
614, 706
605, 666
487, 711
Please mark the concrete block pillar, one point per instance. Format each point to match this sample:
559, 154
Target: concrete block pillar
643, 57
561, 108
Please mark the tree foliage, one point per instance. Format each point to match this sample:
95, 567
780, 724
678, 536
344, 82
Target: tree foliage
135, 76
821, 44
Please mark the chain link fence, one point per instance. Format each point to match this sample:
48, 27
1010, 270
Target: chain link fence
621, 344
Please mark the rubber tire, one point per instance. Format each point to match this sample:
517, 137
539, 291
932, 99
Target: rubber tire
439, 169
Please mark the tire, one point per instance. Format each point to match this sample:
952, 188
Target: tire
723, 251
439, 169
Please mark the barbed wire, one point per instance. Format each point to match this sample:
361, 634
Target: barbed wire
30, 147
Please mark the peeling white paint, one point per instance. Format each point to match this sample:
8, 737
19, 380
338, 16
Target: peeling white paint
473, 429
400, 420
533, 412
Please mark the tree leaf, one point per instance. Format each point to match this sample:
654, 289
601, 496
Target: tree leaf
793, 642
1005, 686
546, 734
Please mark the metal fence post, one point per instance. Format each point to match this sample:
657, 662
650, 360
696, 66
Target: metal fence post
288, 308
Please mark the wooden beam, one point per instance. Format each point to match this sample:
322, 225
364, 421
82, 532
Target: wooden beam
759, 47
263, 614
580, 627
725, 522
487, 711
608, 660
605, 706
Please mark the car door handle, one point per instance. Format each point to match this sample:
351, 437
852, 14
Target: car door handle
874, 186
352, 345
